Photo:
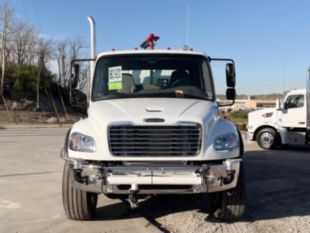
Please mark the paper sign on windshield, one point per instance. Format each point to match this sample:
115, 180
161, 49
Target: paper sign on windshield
115, 78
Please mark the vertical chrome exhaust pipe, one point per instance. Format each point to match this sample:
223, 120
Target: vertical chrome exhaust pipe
93, 55
92, 42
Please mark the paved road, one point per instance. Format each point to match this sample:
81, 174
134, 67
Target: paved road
30, 189
278, 187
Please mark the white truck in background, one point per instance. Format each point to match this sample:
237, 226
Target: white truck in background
153, 127
287, 123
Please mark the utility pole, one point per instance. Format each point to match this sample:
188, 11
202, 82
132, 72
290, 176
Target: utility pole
40, 68
3, 53
284, 75
38, 87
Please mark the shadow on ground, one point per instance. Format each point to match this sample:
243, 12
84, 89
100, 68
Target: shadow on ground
278, 186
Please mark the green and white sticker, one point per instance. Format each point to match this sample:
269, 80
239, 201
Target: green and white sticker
115, 86
115, 78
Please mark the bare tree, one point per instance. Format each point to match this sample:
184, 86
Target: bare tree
45, 54
24, 39
7, 16
75, 44
61, 56
67, 50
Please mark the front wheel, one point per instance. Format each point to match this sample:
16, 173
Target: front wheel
78, 204
230, 204
266, 138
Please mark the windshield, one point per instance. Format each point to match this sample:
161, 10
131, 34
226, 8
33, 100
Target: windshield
134, 76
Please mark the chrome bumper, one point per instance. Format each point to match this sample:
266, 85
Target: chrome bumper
153, 178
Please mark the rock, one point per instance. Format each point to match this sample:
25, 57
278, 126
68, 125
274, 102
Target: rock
13, 105
62, 120
51, 120
27, 104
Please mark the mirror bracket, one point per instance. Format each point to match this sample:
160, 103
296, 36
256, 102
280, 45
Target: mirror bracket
73, 80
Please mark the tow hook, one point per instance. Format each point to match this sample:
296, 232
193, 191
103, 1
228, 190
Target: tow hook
104, 174
203, 172
78, 177
133, 196
229, 177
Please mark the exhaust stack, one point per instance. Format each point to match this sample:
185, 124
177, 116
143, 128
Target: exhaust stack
92, 42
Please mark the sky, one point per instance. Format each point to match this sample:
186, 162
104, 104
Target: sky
268, 39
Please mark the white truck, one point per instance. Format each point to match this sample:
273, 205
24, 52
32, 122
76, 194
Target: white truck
153, 127
287, 123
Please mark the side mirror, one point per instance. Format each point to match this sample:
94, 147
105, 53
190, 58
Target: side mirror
75, 76
278, 105
231, 94
230, 75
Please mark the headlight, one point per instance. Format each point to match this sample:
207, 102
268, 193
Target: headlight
226, 142
81, 142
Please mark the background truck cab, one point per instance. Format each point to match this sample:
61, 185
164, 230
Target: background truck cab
288, 123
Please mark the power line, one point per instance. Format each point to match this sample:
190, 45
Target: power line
187, 25
36, 14
24, 8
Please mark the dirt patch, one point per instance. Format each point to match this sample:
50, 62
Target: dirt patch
36, 117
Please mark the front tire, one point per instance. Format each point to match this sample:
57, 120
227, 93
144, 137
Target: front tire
230, 204
266, 138
78, 204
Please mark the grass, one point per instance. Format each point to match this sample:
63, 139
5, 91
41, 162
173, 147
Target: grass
239, 118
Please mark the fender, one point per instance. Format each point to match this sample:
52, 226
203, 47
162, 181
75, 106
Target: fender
241, 144
64, 151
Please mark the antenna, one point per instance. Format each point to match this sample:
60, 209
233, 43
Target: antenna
284, 74
186, 46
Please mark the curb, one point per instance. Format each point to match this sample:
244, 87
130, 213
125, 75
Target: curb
33, 126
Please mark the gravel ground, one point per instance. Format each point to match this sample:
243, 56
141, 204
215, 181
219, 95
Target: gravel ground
278, 187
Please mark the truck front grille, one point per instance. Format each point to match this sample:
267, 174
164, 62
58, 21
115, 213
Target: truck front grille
178, 140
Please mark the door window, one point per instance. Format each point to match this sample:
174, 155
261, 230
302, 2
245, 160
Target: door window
294, 101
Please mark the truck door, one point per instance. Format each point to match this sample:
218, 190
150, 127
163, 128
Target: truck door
294, 114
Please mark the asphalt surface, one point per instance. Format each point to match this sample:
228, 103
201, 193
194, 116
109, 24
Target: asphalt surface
278, 187
30, 189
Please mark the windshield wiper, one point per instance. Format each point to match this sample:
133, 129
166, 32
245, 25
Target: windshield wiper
150, 94
193, 96
115, 95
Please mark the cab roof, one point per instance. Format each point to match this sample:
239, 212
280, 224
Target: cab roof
155, 51
297, 91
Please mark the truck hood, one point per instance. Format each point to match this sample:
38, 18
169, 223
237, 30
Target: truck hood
171, 111
260, 113
138, 110
262, 117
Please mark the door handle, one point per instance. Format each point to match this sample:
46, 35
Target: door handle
301, 123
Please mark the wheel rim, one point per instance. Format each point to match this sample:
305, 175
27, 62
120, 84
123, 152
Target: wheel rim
266, 139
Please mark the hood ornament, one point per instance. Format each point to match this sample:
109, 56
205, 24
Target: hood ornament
153, 109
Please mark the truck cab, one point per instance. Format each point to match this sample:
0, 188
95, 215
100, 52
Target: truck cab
288, 123
153, 127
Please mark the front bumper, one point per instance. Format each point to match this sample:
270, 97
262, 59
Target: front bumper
251, 136
155, 178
